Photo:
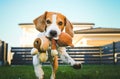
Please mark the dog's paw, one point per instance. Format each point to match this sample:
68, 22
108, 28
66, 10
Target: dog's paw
77, 66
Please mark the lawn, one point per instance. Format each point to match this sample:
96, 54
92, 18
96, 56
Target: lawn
64, 72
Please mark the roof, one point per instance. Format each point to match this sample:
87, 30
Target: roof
25, 24
74, 23
98, 30
78, 23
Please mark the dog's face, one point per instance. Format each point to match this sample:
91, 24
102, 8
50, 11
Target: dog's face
53, 24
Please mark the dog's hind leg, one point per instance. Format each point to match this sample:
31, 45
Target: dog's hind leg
38, 68
67, 59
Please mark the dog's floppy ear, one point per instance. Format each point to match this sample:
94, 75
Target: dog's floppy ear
69, 28
40, 22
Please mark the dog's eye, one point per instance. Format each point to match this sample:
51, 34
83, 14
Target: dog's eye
48, 21
60, 23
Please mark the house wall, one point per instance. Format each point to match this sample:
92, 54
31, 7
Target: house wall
96, 39
29, 33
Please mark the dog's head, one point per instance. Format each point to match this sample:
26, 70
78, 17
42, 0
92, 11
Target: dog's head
53, 24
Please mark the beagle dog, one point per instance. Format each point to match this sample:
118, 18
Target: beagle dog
51, 24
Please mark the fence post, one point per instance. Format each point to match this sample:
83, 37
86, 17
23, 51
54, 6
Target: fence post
3, 52
100, 55
114, 54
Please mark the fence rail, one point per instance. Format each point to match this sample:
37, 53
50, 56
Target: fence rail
108, 54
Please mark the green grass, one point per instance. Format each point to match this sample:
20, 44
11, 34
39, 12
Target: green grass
64, 72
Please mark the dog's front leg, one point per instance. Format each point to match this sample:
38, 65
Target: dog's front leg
38, 67
67, 59
54, 63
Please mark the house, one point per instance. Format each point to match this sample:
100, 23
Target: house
96, 36
85, 35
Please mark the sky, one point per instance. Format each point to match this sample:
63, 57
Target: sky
104, 13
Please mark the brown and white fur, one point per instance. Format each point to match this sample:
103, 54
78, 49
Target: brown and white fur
51, 24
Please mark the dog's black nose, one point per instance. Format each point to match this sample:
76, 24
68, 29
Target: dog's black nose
53, 33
